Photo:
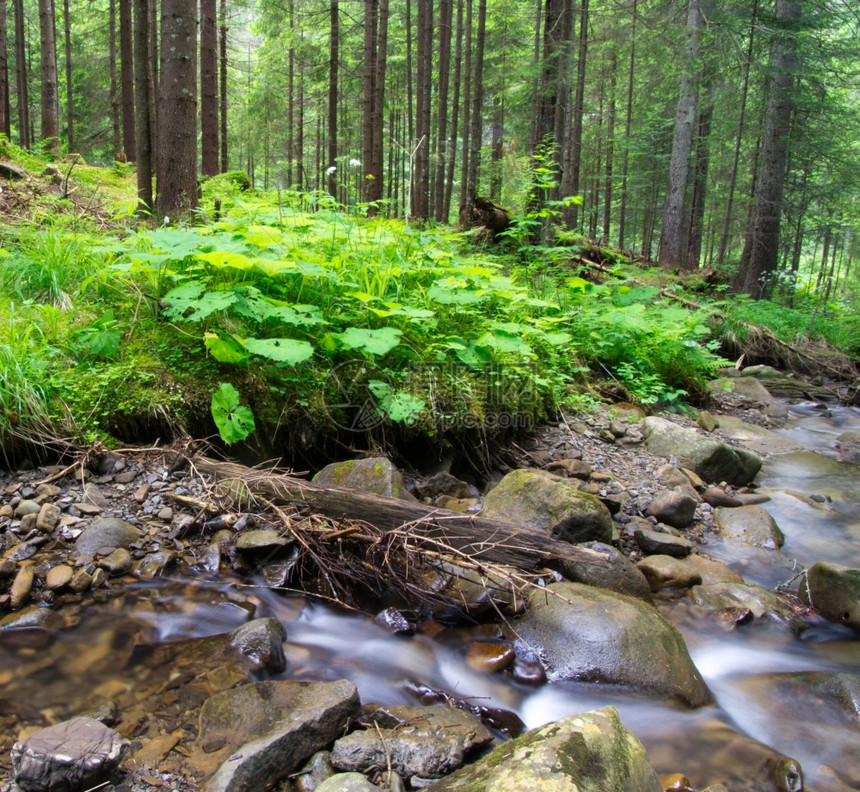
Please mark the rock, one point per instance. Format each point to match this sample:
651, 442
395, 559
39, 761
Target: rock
93, 495
117, 563
593, 635
33, 618
575, 468
834, 591
528, 671
756, 438
261, 643
7, 568
674, 477
154, 564
752, 525
675, 782
262, 539
717, 498
848, 444
48, 517
712, 460
747, 391
591, 752
259, 733
74, 755
707, 421
621, 575
374, 474
711, 570
536, 499
394, 621
316, 770
59, 577
105, 535
673, 507
11, 172
665, 571
757, 600
489, 656
81, 581
26, 507
21, 586
657, 543
346, 782
426, 741
443, 483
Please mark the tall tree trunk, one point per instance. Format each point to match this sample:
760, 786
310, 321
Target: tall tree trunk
572, 178
21, 75
610, 144
536, 80
114, 98
291, 89
733, 177
371, 23
410, 99
142, 121
695, 230
126, 71
622, 210
300, 134
152, 68
222, 86
496, 151
477, 107
208, 88
423, 75
467, 110
177, 117
70, 105
673, 244
333, 60
378, 117
5, 108
455, 109
50, 100
763, 239
446, 12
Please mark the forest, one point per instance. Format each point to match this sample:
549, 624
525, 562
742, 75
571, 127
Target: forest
297, 181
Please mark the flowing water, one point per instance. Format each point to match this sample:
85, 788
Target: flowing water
99, 651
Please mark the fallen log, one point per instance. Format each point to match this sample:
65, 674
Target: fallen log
480, 538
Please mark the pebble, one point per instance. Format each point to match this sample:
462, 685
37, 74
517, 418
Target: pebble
25, 507
118, 562
48, 517
21, 586
58, 577
489, 656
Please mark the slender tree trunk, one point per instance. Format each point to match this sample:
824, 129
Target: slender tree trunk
5, 108
763, 239
208, 88
446, 12
113, 97
126, 70
622, 211
571, 212
378, 119
410, 99
222, 42
50, 100
455, 109
423, 75
733, 177
291, 88
300, 133
142, 128
536, 77
152, 67
695, 230
610, 144
371, 22
496, 151
23, 98
673, 244
477, 107
70, 105
467, 111
333, 60
177, 118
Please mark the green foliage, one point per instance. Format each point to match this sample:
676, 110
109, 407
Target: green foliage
234, 421
101, 339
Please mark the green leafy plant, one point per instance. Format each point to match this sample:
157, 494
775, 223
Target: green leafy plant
234, 421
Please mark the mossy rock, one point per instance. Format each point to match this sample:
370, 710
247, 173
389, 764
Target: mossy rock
375, 475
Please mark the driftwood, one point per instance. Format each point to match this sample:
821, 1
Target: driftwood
482, 539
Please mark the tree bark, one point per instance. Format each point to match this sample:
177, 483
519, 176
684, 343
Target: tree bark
177, 117
371, 23
446, 13
333, 60
50, 99
482, 538
423, 77
126, 71
534, 105
455, 109
70, 104
467, 109
477, 107
21, 76
152, 69
610, 145
222, 86
208, 88
142, 121
378, 117
572, 178
696, 227
762, 245
5, 114
622, 210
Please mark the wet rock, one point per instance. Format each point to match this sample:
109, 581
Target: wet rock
58, 577
443, 483
591, 752
463, 505
375, 475
154, 564
70, 756
528, 670
316, 770
711, 459
262, 539
539, 500
759, 601
32, 618
717, 497
48, 517
834, 591
262, 732
747, 391
261, 643
489, 656
711, 570
664, 571
81, 581
425, 741
756, 438
21, 586
848, 444
593, 635
474, 591
105, 535
752, 525
675, 782
117, 563
394, 621
657, 543
347, 782
621, 575
673, 507
7, 568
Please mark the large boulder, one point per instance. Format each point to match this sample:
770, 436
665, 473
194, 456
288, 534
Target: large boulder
592, 635
834, 591
537, 499
254, 735
712, 460
105, 535
429, 742
752, 525
591, 752
747, 391
755, 438
375, 475
620, 575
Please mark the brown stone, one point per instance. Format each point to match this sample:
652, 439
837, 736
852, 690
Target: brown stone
58, 577
489, 656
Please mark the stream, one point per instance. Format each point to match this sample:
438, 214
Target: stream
99, 648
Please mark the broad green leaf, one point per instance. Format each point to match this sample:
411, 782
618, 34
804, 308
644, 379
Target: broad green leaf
223, 258
455, 294
234, 422
225, 349
297, 315
187, 297
283, 350
374, 342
